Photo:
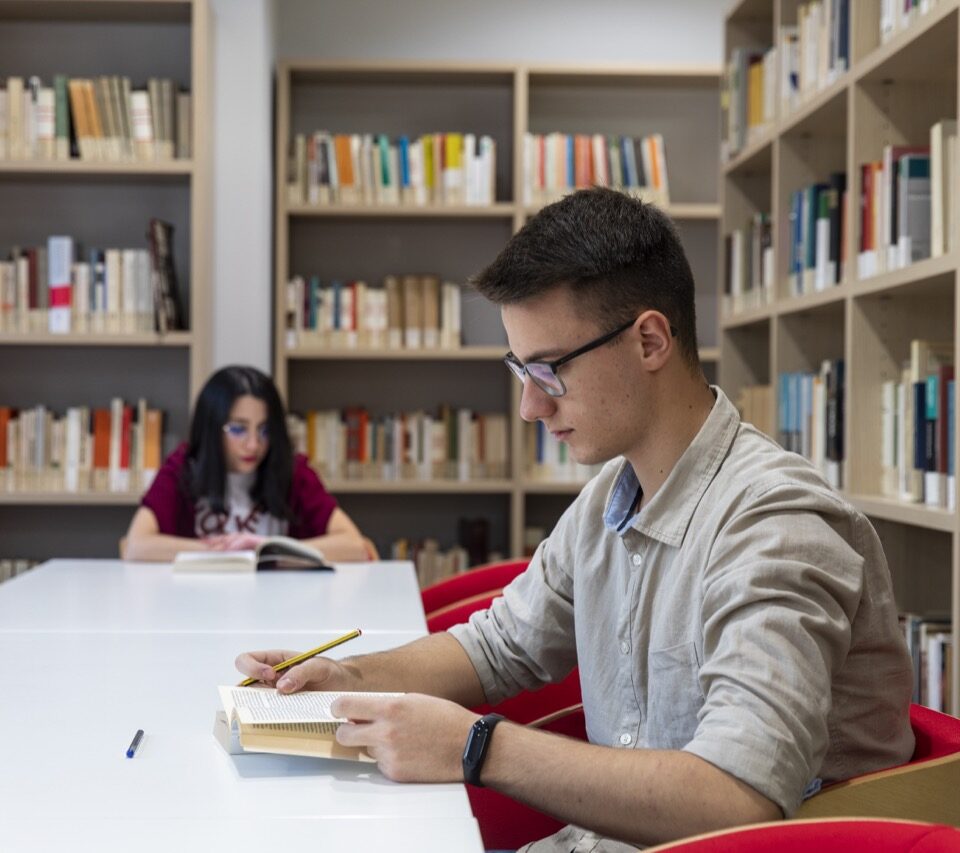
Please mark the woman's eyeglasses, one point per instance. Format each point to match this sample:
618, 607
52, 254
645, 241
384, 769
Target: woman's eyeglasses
238, 430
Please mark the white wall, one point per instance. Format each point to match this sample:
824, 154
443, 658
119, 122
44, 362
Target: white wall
250, 33
243, 64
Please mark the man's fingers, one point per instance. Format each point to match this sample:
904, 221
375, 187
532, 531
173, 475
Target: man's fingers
352, 707
260, 664
313, 672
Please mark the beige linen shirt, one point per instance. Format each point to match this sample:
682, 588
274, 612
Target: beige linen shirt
744, 615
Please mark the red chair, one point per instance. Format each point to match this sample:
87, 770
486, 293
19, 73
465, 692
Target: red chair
507, 824
837, 835
481, 579
926, 788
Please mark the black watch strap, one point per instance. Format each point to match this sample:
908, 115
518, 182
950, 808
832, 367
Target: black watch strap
478, 744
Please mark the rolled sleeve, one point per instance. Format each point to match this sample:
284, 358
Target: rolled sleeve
776, 615
526, 638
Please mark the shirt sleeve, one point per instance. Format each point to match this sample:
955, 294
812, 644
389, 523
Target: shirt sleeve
526, 638
165, 497
777, 615
312, 504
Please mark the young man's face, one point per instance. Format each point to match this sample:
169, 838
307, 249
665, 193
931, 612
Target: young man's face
598, 417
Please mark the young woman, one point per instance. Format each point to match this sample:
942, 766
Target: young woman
238, 481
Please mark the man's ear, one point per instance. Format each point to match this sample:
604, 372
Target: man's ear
655, 338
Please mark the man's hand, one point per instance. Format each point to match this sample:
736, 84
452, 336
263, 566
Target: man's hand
315, 674
413, 738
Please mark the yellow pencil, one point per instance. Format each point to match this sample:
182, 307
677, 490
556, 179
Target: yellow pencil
286, 664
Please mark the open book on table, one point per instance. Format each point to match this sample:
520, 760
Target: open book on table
286, 723
275, 552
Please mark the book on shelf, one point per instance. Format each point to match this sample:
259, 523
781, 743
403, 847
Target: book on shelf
943, 177
897, 15
97, 119
556, 164
448, 444
810, 415
59, 288
405, 312
274, 552
451, 169
931, 646
817, 236
260, 719
749, 276
116, 449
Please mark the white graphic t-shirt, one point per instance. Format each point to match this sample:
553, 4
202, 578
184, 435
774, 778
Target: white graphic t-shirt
241, 515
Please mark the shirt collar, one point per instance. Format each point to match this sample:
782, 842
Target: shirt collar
667, 517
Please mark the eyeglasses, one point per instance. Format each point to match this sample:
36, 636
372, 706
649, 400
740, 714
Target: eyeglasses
238, 430
544, 373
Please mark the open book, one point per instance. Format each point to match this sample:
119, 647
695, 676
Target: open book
285, 723
275, 552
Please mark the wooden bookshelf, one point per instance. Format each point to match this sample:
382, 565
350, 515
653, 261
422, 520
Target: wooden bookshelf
892, 94
503, 100
107, 204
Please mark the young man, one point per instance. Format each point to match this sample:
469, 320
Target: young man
732, 617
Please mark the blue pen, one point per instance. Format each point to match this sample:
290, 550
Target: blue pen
132, 749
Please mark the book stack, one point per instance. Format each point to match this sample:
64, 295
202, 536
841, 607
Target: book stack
918, 424
748, 266
432, 562
549, 460
86, 449
556, 164
897, 15
748, 98
816, 223
113, 291
451, 169
100, 119
810, 413
931, 645
406, 312
450, 444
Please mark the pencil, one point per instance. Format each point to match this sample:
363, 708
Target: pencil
300, 658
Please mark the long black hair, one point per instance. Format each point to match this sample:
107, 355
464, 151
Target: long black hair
206, 470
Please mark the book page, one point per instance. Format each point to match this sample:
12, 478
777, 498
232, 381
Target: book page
215, 561
259, 705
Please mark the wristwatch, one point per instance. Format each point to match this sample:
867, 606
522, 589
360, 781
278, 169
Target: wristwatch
478, 744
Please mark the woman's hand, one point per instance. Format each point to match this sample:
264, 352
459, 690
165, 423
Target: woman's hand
233, 542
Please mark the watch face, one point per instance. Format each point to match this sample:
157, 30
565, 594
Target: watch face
478, 736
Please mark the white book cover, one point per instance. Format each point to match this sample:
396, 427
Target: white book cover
941, 185
824, 269
44, 118
60, 260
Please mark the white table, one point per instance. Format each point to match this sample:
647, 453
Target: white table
89, 664
109, 595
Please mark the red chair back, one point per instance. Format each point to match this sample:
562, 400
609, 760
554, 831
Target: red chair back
937, 734
493, 576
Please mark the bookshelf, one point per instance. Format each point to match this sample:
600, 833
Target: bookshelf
105, 203
893, 90
342, 242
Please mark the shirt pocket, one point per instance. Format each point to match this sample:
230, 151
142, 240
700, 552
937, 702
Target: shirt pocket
675, 697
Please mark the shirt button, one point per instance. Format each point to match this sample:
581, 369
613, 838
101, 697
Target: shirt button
625, 647
625, 739
637, 559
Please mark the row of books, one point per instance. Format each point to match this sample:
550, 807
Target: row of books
45, 288
760, 84
406, 312
555, 164
116, 449
550, 460
748, 268
817, 229
100, 119
897, 15
810, 415
10, 568
450, 444
375, 169
918, 424
908, 204
932, 647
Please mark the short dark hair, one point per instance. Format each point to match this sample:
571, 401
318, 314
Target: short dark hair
617, 254
205, 474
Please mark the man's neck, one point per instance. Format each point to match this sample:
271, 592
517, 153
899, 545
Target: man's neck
680, 422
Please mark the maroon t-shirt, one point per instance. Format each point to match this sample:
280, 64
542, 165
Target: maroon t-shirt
175, 511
